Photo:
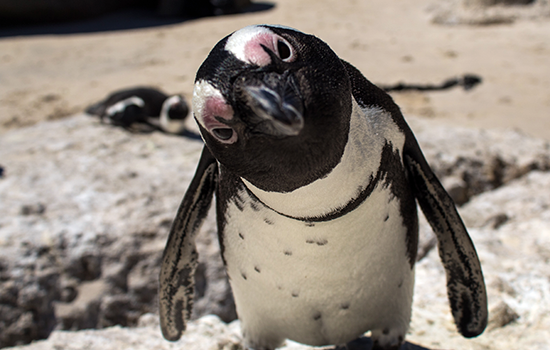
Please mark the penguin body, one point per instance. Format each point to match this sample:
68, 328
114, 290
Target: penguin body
299, 273
125, 112
316, 176
145, 105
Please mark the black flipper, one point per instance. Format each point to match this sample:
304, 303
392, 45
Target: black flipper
180, 258
465, 283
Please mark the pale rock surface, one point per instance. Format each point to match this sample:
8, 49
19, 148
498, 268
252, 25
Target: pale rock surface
471, 161
515, 256
207, 333
86, 210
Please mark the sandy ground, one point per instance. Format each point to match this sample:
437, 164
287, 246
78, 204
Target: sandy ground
50, 76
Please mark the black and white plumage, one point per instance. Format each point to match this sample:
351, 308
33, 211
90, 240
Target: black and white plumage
316, 176
144, 105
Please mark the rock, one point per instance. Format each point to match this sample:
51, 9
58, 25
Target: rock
470, 161
501, 315
516, 263
33, 209
457, 188
28, 288
487, 12
91, 260
207, 333
105, 226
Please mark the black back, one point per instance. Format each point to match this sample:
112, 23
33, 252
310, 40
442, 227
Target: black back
152, 98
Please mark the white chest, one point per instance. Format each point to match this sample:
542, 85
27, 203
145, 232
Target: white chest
321, 282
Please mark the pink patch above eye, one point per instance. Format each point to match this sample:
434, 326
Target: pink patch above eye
215, 107
255, 53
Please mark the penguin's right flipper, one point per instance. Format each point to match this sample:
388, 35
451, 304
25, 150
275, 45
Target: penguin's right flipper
465, 285
180, 258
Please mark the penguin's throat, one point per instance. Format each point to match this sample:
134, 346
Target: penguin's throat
350, 180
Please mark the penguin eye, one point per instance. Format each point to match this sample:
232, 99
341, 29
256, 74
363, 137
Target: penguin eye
223, 134
284, 50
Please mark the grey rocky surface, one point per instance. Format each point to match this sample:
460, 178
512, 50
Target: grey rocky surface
472, 161
89, 207
86, 210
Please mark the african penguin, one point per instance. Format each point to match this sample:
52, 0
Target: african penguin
145, 105
316, 176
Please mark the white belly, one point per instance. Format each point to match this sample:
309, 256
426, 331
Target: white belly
324, 282
318, 283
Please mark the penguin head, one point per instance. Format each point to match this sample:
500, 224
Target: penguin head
273, 105
175, 107
173, 113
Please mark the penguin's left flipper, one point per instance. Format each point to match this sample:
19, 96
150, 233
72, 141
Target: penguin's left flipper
180, 258
465, 284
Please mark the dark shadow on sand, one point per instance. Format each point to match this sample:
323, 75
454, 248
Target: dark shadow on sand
128, 19
365, 343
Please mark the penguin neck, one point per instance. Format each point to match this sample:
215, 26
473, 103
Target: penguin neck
370, 130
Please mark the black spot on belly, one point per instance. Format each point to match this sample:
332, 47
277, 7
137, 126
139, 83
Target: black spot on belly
269, 222
344, 306
317, 316
400, 284
255, 206
239, 203
244, 275
319, 242
288, 252
386, 331
310, 224
257, 269
387, 217
241, 235
295, 294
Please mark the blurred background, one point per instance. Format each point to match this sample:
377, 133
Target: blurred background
51, 70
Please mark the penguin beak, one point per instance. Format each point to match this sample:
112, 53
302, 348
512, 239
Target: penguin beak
276, 104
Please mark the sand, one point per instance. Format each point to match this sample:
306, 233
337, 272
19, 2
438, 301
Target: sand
50, 76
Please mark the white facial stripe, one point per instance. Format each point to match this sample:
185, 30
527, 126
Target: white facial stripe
173, 126
121, 105
369, 130
236, 44
168, 103
208, 106
208, 102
